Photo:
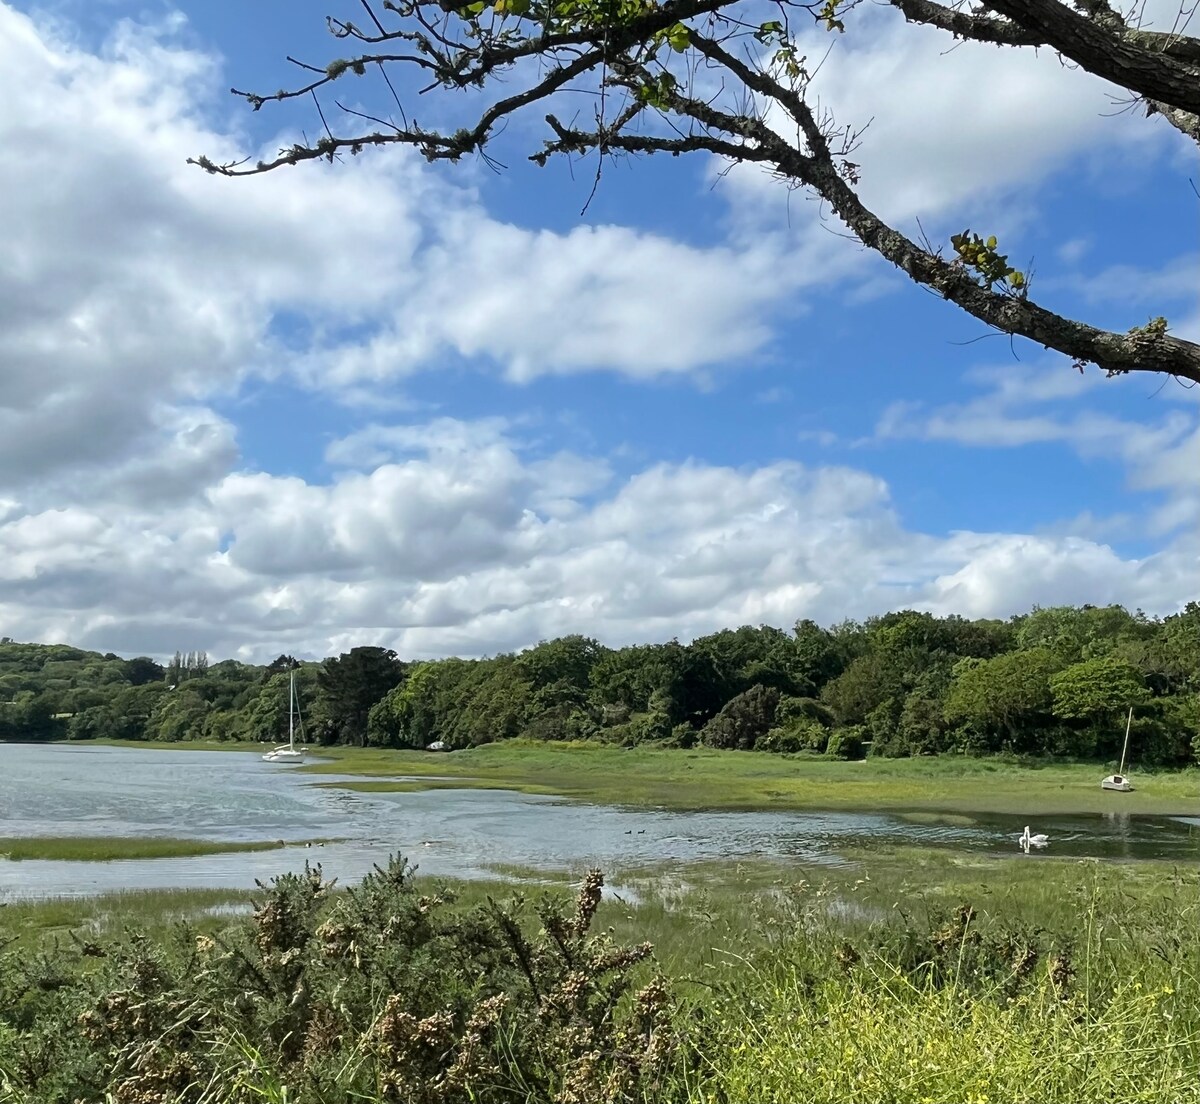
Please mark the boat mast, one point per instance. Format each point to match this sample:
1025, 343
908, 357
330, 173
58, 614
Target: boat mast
1125, 746
292, 713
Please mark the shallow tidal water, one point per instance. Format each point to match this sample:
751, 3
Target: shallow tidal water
233, 797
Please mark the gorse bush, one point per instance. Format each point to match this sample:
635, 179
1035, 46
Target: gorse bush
380, 993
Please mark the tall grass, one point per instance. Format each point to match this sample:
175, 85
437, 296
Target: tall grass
883, 1036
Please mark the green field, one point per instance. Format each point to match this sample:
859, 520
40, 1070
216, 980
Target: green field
707, 779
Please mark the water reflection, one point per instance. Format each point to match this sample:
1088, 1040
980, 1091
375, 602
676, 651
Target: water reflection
224, 796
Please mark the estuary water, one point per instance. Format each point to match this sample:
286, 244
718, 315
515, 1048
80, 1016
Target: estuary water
228, 796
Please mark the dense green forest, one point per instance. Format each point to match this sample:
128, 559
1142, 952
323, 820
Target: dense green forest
1055, 681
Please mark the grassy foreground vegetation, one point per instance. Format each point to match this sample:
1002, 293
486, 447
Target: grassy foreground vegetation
918, 978
37, 927
709, 779
105, 848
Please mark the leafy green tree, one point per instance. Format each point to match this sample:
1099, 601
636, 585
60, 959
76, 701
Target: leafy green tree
748, 656
817, 658
922, 725
125, 716
141, 670
1181, 643
31, 717
404, 717
1081, 633
179, 714
265, 715
1099, 689
351, 684
743, 719
1003, 703
500, 705
868, 682
566, 661
629, 677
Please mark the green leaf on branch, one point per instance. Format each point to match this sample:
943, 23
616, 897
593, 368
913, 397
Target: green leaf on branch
678, 38
658, 93
980, 256
771, 29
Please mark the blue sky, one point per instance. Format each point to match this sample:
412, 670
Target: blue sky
439, 409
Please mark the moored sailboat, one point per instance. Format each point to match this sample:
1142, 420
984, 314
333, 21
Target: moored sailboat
1120, 781
288, 753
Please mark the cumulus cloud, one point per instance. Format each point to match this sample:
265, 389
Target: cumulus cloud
133, 281
477, 547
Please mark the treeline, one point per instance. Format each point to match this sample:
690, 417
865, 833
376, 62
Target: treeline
1056, 681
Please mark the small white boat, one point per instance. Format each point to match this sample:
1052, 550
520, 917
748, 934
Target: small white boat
1120, 781
288, 753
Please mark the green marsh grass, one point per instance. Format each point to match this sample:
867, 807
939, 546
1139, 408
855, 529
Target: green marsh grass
709, 779
1007, 983
107, 848
32, 924
888, 1039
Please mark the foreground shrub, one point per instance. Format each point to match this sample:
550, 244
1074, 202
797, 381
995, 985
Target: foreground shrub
381, 992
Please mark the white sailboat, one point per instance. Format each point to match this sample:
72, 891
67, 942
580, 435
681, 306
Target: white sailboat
288, 753
1120, 780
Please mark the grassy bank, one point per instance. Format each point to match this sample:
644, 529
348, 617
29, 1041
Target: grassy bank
41, 925
706, 779
106, 848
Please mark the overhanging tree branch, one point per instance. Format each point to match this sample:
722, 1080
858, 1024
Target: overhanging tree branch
1155, 74
650, 53
1110, 30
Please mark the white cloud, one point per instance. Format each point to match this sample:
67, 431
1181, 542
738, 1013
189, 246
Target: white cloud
476, 547
133, 284
1172, 282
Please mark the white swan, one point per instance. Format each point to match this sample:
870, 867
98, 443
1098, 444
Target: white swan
1027, 841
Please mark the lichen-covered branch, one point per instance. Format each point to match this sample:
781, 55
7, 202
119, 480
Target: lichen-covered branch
1162, 68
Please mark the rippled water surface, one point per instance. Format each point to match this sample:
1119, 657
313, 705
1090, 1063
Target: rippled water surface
228, 796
